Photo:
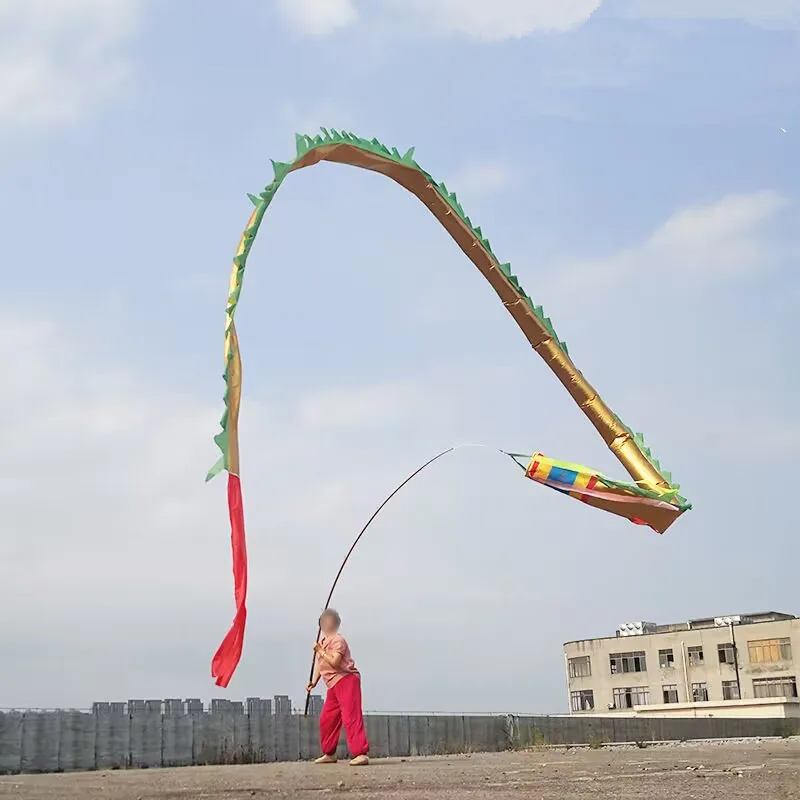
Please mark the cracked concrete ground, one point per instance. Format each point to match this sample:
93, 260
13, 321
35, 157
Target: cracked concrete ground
686, 771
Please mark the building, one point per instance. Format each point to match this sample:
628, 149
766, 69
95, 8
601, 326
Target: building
258, 706
173, 707
744, 665
282, 704
194, 705
316, 701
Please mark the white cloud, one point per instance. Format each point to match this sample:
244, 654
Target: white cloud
723, 239
692, 321
476, 19
318, 17
498, 20
59, 57
757, 12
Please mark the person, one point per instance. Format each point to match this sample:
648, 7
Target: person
335, 665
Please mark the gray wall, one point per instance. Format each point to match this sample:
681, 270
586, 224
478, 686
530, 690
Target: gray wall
112, 737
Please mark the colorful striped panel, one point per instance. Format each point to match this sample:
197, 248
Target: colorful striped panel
588, 486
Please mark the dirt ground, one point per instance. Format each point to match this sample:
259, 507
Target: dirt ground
688, 771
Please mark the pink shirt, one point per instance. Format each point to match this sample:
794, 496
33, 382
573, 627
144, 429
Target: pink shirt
331, 676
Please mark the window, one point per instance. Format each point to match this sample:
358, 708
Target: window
670, 693
764, 651
580, 667
630, 697
666, 659
582, 700
775, 687
699, 693
628, 662
730, 690
696, 658
726, 653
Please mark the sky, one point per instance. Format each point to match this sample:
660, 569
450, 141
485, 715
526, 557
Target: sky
636, 160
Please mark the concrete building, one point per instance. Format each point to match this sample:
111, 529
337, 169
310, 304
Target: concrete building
173, 707
744, 665
258, 706
315, 705
282, 704
194, 705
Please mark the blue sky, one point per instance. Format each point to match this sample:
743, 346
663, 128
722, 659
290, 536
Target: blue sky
630, 160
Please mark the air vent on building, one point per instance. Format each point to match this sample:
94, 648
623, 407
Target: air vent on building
636, 628
724, 622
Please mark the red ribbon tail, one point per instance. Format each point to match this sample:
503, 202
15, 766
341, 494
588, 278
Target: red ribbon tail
227, 657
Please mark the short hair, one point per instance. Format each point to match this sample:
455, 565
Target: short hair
333, 614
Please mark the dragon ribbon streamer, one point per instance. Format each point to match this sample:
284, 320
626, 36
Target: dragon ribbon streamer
649, 498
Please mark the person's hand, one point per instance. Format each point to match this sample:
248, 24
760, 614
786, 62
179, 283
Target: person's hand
310, 687
317, 647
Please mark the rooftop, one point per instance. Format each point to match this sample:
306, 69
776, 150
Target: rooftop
646, 628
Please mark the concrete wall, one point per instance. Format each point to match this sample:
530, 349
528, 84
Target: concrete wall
114, 738
593, 730
773, 708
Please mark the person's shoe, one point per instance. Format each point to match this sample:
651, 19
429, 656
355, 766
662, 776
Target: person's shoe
326, 760
359, 761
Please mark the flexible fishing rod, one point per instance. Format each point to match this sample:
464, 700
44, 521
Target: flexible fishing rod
513, 456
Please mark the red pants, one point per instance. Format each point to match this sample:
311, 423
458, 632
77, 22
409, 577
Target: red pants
343, 707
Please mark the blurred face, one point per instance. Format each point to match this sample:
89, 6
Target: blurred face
328, 624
